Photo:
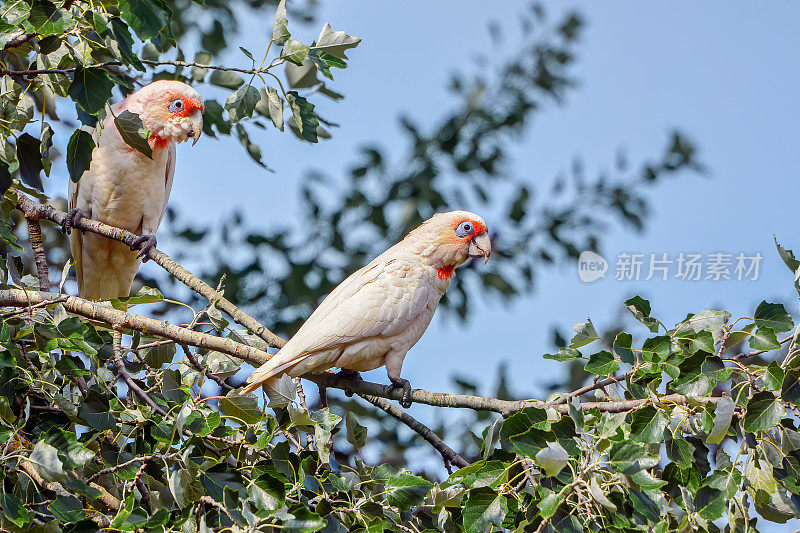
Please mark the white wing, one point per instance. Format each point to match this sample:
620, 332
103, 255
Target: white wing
380, 300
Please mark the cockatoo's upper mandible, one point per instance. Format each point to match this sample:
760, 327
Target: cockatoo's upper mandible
379, 312
128, 189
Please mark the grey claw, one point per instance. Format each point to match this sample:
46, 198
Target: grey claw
73, 216
404, 384
144, 244
354, 377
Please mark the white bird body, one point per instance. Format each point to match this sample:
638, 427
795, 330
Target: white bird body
379, 312
125, 189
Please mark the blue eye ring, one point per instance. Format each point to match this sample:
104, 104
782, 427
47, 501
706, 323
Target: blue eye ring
464, 229
175, 106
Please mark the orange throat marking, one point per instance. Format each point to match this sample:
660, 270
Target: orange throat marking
445, 272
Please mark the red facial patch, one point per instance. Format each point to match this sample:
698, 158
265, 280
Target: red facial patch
160, 142
477, 228
445, 272
190, 107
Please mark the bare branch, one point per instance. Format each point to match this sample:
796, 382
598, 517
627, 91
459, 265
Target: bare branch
130, 321
39, 257
33, 209
448, 454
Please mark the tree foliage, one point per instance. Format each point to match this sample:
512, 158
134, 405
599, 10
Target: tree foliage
110, 420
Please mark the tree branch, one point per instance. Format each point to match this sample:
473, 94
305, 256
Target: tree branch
448, 454
39, 257
128, 379
107, 64
130, 321
36, 210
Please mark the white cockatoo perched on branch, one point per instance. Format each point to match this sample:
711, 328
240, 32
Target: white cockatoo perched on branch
379, 312
126, 189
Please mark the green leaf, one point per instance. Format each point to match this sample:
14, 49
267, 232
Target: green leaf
710, 503
226, 79
790, 389
46, 19
5, 177
764, 338
773, 316
788, 257
46, 462
304, 117
483, 508
271, 105
602, 363
79, 154
552, 459
640, 308
91, 89
252, 149
134, 132
29, 156
564, 354
584, 334
295, 51
356, 433
124, 43
622, 347
146, 17
242, 103
241, 408
709, 320
67, 509
763, 412
199, 73
406, 490
647, 425
335, 43
14, 510
773, 376
280, 30
212, 116
723, 414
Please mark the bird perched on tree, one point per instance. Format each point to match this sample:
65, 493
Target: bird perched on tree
379, 312
127, 189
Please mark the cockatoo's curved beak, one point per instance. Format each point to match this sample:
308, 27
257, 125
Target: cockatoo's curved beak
480, 246
196, 120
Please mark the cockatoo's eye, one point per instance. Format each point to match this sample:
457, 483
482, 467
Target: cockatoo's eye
464, 229
175, 106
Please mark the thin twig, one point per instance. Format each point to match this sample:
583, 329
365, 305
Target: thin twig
39, 257
128, 379
210, 375
448, 454
107, 64
120, 466
33, 209
601, 384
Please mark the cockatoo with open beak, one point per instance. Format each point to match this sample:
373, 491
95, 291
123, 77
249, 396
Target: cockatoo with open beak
379, 312
126, 189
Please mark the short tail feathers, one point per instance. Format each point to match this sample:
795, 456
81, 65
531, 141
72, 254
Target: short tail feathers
270, 371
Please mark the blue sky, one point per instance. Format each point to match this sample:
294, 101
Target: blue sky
723, 73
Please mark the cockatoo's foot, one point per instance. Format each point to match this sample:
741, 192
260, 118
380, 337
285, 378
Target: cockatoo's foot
73, 216
354, 377
400, 383
144, 244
